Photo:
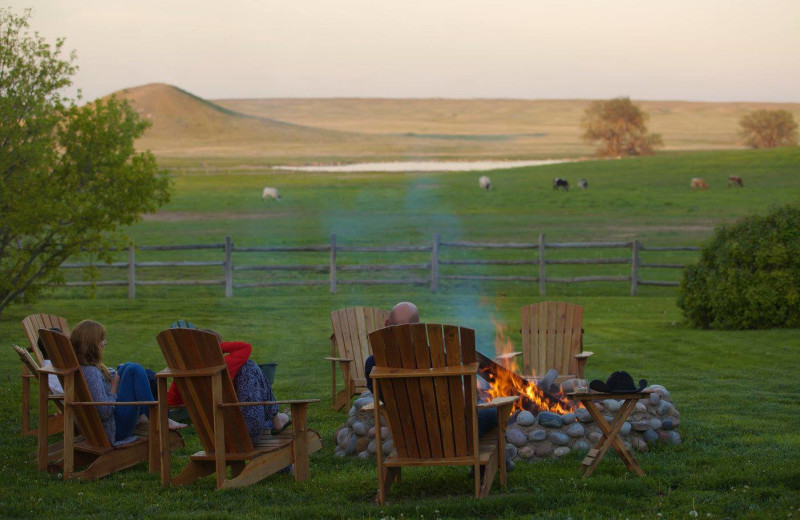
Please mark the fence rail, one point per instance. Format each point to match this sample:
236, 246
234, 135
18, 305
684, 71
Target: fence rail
427, 272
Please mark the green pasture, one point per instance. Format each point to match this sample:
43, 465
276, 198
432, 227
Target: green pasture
735, 390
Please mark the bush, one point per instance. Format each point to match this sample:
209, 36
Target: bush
748, 275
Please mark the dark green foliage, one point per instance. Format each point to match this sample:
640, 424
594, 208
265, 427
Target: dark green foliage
748, 275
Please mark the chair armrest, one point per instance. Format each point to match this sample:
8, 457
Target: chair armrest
498, 402
58, 371
191, 372
583, 355
508, 355
114, 403
339, 359
262, 403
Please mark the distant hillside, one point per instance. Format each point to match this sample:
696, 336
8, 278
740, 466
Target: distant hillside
325, 130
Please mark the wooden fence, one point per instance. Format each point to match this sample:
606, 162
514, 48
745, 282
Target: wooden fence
421, 273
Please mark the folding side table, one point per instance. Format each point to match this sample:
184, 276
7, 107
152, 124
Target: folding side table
610, 437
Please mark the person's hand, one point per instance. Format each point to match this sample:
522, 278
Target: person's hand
114, 383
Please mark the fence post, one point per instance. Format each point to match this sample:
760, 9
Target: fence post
435, 263
131, 273
228, 267
333, 263
634, 267
542, 275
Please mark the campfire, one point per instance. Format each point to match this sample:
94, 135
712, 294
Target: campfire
536, 394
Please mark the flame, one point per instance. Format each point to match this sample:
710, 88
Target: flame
532, 397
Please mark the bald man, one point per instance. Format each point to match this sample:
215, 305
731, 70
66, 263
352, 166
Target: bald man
402, 313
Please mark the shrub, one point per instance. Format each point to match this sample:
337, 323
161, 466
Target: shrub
748, 275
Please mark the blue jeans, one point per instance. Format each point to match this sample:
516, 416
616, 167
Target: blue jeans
487, 419
134, 385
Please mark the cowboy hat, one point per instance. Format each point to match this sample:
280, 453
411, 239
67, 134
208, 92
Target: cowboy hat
617, 383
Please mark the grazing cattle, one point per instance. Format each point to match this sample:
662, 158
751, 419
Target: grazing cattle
583, 184
270, 193
558, 182
733, 180
698, 183
485, 182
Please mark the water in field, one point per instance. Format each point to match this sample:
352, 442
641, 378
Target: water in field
421, 166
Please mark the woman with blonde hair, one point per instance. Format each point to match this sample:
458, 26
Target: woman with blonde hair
129, 383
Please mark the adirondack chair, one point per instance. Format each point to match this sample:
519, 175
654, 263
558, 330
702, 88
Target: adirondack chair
350, 348
552, 337
31, 324
92, 450
425, 375
194, 360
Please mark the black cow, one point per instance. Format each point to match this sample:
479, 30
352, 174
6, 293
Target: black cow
558, 182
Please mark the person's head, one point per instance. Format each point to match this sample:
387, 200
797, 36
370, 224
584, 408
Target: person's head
88, 338
40, 343
403, 312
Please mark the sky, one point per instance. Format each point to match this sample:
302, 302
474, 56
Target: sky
696, 50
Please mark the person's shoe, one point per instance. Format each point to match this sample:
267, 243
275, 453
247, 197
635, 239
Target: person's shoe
288, 470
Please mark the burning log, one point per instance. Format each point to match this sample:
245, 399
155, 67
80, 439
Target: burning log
504, 382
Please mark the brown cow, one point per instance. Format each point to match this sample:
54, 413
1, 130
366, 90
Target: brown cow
733, 180
698, 183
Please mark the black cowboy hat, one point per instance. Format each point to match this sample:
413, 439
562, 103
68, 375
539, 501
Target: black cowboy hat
617, 383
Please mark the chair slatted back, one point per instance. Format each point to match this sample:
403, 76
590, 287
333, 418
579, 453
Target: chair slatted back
429, 416
351, 327
62, 355
34, 322
551, 337
187, 349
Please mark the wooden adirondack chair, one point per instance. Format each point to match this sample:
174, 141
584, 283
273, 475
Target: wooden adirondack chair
425, 374
194, 360
92, 450
31, 324
552, 337
350, 348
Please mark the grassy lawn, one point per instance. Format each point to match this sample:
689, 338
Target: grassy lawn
735, 390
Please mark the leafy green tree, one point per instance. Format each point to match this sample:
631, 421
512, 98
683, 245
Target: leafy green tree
70, 174
620, 128
768, 129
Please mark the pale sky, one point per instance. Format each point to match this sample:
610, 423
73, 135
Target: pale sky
700, 50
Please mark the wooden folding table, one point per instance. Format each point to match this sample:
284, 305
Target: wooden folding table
610, 437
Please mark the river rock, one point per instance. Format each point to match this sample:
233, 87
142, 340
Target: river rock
525, 418
372, 447
550, 420
516, 437
364, 455
511, 451
640, 407
625, 429
359, 403
543, 449
674, 437
638, 444
342, 437
641, 426
658, 389
339, 452
371, 432
665, 407
583, 416
526, 452
655, 424
576, 430
594, 437
387, 447
669, 423
561, 451
558, 439
663, 436
361, 444
580, 445
569, 418
359, 428
654, 398
350, 447
650, 436
352, 420
353, 411
537, 435
384, 432
612, 405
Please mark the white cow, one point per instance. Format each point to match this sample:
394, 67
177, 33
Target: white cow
270, 193
485, 182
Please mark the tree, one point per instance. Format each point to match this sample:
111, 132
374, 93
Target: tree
70, 174
768, 129
620, 127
